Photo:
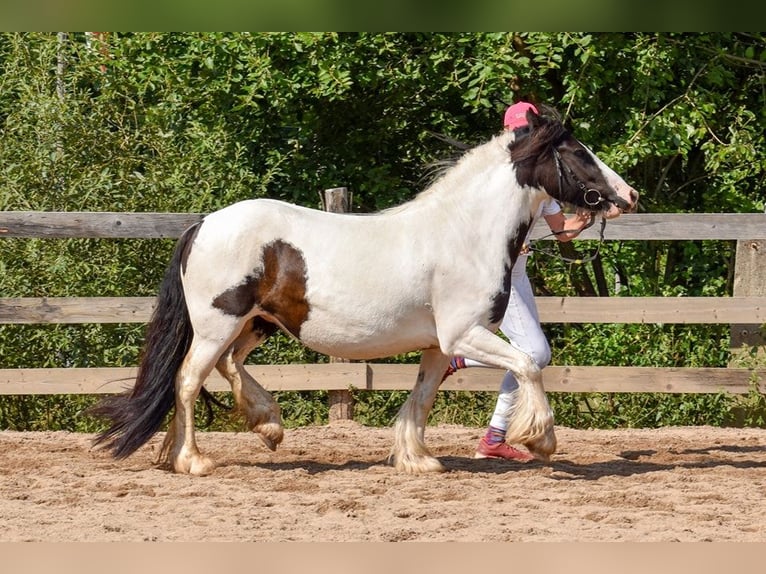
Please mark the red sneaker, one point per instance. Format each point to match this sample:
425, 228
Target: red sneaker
501, 450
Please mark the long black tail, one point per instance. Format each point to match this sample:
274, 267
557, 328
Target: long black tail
139, 413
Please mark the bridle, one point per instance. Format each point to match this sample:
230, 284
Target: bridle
591, 197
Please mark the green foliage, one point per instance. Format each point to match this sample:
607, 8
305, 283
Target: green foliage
191, 122
641, 410
47, 413
452, 407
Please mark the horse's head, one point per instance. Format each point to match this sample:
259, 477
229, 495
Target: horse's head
546, 155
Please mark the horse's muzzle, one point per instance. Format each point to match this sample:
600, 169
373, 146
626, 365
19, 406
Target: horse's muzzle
628, 205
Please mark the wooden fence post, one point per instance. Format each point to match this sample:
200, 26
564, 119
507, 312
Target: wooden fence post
341, 402
749, 280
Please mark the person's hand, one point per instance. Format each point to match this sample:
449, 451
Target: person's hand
581, 218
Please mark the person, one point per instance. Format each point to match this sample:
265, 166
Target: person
521, 323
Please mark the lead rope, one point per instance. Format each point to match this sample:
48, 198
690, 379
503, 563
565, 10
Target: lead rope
531, 247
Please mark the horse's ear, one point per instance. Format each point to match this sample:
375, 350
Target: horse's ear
533, 120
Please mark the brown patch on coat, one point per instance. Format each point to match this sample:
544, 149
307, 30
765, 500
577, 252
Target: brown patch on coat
279, 288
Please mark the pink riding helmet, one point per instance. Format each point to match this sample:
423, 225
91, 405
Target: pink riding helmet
516, 115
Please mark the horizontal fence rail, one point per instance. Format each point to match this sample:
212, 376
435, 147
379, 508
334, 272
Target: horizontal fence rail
722, 310
104, 225
115, 225
745, 311
392, 377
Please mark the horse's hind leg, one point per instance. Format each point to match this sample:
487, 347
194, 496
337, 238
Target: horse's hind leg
180, 446
409, 453
256, 404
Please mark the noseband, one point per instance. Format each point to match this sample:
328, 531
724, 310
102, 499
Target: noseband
591, 197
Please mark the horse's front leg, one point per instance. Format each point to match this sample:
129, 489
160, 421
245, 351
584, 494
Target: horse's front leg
409, 453
180, 446
530, 419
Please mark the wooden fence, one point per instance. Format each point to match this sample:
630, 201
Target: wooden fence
745, 311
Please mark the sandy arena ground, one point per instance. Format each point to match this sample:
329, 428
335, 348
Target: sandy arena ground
331, 483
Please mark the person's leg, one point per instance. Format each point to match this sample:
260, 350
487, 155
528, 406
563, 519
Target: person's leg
492, 444
521, 325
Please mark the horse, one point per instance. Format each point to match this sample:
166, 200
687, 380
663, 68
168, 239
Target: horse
359, 287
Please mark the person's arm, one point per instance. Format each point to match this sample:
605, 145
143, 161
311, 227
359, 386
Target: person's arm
572, 225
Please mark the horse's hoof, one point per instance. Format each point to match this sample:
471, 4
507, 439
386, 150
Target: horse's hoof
544, 446
268, 443
196, 466
271, 434
202, 467
419, 465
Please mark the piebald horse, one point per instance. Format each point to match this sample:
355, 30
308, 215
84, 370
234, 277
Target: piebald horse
433, 274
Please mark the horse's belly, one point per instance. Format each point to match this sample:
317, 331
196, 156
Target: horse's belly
368, 339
